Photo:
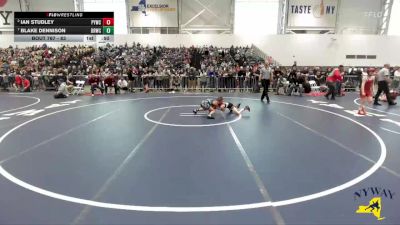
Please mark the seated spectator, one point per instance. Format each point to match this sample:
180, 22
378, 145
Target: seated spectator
295, 83
36, 83
70, 85
318, 78
96, 83
122, 84
282, 85
26, 85
110, 81
62, 91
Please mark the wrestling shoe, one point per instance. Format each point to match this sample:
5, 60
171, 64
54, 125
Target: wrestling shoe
247, 108
210, 117
194, 111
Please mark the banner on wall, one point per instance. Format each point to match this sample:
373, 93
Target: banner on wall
312, 14
153, 13
7, 9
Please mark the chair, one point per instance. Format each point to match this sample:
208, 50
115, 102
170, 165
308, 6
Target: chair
314, 86
79, 88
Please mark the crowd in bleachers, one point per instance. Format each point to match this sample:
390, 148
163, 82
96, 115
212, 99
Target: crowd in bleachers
137, 67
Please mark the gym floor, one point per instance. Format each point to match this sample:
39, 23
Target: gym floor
146, 159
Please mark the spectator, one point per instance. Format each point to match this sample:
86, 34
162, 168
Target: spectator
192, 79
318, 78
241, 77
176, 82
96, 83
296, 83
26, 84
62, 91
5, 81
203, 80
122, 84
110, 82
18, 82
331, 80
396, 79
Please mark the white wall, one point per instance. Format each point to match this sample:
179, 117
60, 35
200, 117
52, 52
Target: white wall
394, 24
256, 17
218, 14
306, 49
187, 40
358, 16
117, 6
51, 5
328, 50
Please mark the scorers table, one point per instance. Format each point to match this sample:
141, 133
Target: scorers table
64, 27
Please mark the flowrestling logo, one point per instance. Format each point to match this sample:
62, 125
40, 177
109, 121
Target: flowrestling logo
145, 7
371, 201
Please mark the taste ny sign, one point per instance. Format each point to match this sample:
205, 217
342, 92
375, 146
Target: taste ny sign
7, 9
312, 14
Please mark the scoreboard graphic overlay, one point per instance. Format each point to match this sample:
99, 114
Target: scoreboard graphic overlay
64, 27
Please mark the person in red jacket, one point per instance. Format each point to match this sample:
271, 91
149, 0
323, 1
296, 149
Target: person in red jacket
331, 80
110, 81
96, 82
27, 85
18, 82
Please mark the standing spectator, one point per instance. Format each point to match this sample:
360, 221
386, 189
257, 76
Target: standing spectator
383, 85
203, 80
241, 78
176, 82
131, 80
5, 81
331, 80
158, 78
265, 76
192, 79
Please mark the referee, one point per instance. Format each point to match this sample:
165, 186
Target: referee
383, 85
265, 76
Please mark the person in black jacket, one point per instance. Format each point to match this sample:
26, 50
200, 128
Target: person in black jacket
130, 80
